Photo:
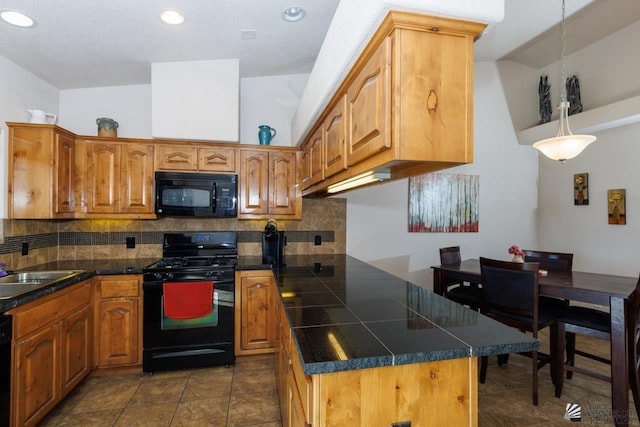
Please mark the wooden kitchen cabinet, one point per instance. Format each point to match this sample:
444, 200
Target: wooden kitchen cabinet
118, 178
41, 174
77, 349
335, 139
53, 338
369, 107
194, 158
118, 310
268, 184
409, 102
313, 159
255, 325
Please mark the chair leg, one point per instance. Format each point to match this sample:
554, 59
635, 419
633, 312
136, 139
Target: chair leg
534, 368
503, 359
558, 358
483, 368
571, 351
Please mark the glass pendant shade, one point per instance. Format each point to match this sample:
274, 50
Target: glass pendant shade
565, 145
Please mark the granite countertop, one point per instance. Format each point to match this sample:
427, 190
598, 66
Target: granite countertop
88, 268
347, 314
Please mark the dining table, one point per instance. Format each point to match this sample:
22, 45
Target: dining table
594, 288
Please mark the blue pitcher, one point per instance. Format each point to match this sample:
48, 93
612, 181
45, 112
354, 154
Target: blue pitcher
266, 134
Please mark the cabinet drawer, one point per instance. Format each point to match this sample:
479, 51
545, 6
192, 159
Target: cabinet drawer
217, 159
117, 288
173, 157
47, 310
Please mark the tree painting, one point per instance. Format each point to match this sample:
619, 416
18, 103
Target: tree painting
443, 203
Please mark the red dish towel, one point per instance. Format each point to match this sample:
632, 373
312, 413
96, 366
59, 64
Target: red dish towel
188, 300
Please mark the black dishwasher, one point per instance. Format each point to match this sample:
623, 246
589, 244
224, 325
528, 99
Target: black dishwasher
5, 368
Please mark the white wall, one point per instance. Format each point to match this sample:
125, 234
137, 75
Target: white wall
272, 101
607, 69
612, 163
21, 91
268, 100
377, 216
130, 106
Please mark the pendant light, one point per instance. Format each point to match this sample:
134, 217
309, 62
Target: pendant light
565, 145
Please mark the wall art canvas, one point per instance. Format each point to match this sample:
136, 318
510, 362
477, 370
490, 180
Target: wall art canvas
581, 189
444, 203
617, 206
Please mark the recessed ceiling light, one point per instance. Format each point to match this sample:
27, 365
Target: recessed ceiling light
293, 13
17, 18
172, 17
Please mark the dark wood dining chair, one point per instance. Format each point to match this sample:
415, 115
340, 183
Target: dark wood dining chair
510, 296
550, 261
464, 293
596, 323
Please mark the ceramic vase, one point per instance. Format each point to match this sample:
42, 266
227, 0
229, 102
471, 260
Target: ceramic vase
517, 258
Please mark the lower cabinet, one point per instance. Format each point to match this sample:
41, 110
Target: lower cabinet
443, 392
52, 353
118, 311
255, 327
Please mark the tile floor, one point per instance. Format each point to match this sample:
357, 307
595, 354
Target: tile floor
245, 395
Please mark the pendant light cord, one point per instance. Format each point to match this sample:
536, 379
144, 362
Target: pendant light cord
563, 59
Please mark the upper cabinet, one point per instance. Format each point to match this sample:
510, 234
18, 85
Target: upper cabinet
268, 184
56, 174
117, 178
41, 171
406, 106
193, 158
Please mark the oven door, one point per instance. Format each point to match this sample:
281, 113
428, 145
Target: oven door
170, 343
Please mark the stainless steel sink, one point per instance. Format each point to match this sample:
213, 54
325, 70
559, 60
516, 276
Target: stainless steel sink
17, 284
38, 277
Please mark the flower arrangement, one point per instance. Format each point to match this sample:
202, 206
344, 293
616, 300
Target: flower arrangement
516, 251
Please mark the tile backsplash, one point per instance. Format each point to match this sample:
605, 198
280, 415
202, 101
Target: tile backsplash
51, 240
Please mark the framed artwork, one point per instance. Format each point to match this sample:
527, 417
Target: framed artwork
443, 203
617, 206
581, 189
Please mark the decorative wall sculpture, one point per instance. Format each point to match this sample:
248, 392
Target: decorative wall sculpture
443, 203
573, 95
544, 100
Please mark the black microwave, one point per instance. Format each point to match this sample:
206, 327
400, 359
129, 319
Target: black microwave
196, 194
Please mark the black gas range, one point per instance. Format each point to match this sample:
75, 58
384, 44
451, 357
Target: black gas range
188, 318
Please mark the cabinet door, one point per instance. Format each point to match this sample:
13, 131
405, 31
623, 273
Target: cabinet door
253, 182
335, 131
36, 387
316, 160
118, 337
64, 195
257, 322
176, 157
217, 159
305, 166
369, 107
296, 411
103, 177
77, 348
136, 178
282, 183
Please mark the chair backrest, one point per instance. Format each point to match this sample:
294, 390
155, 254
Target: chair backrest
450, 255
510, 287
633, 343
551, 261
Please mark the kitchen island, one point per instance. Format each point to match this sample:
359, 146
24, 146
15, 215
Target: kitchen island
359, 346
